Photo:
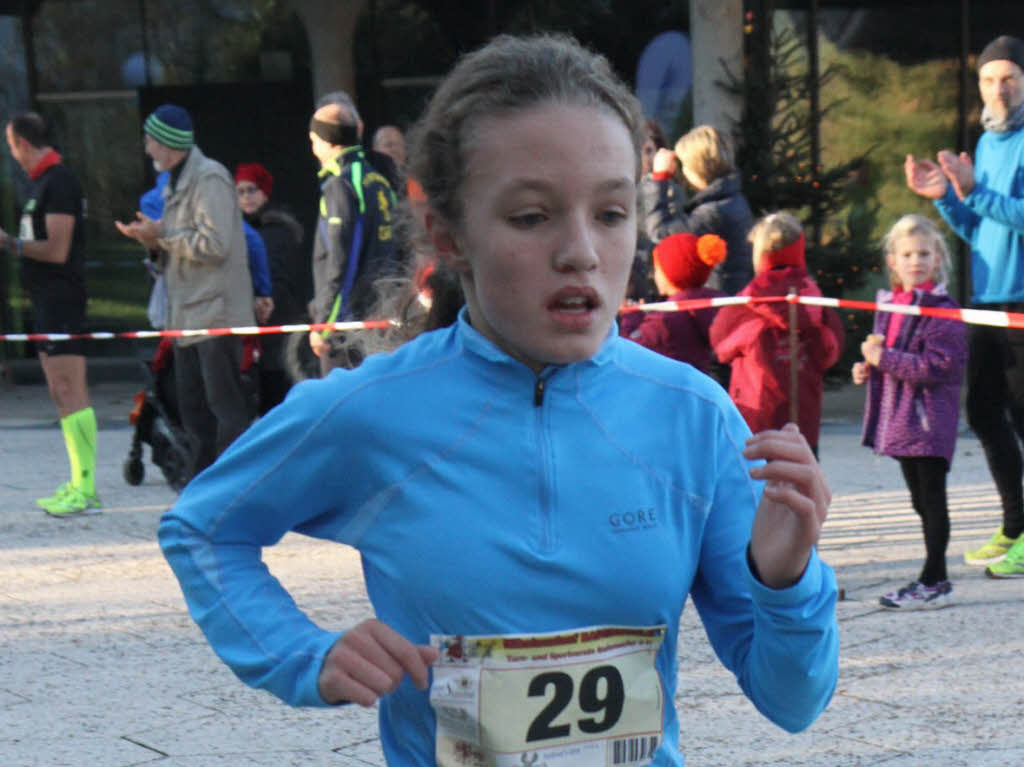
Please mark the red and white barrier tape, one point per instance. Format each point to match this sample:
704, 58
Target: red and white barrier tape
969, 316
241, 331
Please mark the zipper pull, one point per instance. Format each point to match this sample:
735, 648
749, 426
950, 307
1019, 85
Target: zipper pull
538, 392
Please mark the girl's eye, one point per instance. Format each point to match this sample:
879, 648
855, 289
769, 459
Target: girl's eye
612, 217
527, 220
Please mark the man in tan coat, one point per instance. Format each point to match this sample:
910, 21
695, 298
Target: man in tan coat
200, 244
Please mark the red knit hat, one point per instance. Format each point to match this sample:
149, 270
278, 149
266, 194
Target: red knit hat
257, 174
790, 255
687, 260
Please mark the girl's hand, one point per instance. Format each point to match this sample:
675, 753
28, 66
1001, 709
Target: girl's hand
871, 349
664, 161
369, 661
792, 509
860, 372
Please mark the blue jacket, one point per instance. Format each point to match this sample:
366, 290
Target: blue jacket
991, 218
484, 503
259, 267
720, 209
912, 404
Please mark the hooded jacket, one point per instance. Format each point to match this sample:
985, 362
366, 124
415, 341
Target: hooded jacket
912, 403
754, 340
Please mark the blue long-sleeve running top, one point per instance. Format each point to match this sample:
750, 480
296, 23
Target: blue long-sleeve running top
489, 501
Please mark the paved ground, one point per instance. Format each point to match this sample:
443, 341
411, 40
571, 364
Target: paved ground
100, 665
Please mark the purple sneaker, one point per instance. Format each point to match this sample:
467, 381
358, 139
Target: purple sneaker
916, 596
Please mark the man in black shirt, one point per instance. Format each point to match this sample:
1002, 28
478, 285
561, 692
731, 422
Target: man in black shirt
51, 249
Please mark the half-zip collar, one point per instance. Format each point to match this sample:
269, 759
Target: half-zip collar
476, 342
482, 346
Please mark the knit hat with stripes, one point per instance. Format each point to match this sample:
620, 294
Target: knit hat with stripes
171, 126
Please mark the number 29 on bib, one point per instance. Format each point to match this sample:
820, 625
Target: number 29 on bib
580, 698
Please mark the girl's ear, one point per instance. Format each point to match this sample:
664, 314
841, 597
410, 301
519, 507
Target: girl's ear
442, 237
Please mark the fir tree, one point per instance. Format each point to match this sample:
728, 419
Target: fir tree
774, 155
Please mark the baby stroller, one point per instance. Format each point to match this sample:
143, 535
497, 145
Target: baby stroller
157, 421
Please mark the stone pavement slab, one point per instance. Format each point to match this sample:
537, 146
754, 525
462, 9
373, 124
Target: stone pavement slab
101, 665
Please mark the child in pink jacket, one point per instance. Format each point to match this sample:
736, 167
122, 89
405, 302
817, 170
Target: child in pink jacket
754, 338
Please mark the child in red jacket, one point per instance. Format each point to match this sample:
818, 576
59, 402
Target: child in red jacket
682, 264
754, 338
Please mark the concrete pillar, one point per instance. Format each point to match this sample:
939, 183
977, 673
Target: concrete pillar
330, 26
716, 35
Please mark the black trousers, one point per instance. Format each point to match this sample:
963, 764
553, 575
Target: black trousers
212, 402
926, 480
995, 410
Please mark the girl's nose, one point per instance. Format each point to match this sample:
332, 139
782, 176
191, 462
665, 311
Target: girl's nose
577, 252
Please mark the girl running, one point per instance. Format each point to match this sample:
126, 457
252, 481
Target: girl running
533, 497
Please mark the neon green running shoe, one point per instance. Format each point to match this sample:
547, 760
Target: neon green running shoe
59, 493
1010, 566
73, 502
993, 551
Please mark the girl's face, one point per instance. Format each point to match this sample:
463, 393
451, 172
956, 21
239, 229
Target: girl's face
914, 261
661, 282
548, 230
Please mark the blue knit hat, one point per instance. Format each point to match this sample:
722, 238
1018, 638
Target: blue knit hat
171, 126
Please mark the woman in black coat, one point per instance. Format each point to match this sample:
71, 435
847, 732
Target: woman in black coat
282, 234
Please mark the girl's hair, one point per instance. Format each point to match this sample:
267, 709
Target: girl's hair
912, 225
707, 152
653, 132
774, 231
509, 74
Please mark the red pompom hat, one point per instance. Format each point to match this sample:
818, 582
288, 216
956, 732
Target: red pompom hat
687, 260
257, 174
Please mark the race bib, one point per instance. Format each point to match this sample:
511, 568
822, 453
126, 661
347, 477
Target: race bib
26, 231
577, 698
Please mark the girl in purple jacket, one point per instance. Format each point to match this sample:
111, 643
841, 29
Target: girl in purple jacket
913, 366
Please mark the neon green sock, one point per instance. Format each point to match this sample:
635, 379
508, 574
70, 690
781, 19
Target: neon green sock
69, 443
80, 434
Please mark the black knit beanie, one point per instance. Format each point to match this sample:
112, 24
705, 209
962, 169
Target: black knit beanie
1003, 48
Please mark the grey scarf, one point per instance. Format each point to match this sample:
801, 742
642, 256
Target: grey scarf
1011, 122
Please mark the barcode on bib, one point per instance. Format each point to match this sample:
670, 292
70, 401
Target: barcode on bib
634, 750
